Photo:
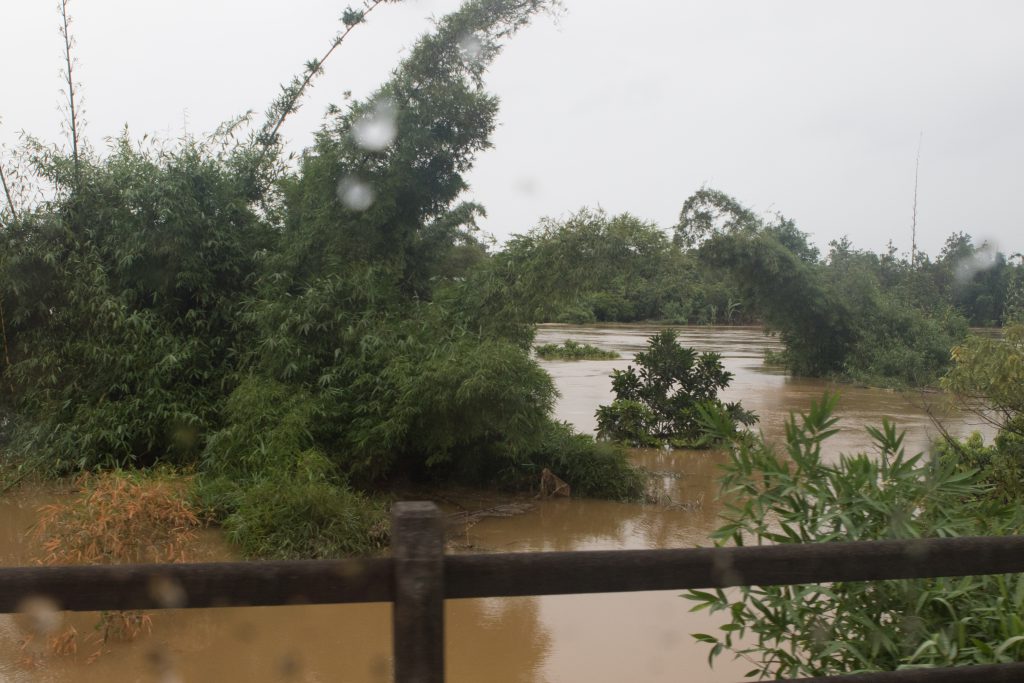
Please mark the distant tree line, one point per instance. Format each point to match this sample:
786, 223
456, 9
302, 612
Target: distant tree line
876, 318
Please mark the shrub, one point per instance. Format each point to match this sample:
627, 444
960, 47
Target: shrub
575, 314
592, 469
665, 401
902, 346
573, 350
815, 630
299, 509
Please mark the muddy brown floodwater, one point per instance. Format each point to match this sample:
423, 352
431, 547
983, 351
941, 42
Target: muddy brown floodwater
592, 638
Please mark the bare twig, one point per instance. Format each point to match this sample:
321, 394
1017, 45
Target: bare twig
72, 95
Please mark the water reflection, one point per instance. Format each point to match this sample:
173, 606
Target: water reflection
499, 639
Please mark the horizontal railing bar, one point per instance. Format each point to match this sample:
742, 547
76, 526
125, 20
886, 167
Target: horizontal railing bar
213, 584
223, 584
615, 571
986, 673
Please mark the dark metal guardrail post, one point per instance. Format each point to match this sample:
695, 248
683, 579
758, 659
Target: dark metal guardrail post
417, 546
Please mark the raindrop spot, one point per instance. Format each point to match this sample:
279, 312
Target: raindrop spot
43, 614
471, 47
378, 128
167, 592
289, 666
355, 194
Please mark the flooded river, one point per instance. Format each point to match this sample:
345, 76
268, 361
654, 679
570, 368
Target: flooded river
592, 638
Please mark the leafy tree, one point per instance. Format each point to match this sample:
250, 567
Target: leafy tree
791, 294
835, 318
665, 399
709, 212
592, 267
121, 300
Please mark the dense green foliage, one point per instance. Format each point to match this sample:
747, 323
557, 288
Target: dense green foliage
296, 332
573, 350
727, 265
849, 316
666, 398
595, 470
595, 268
988, 373
302, 511
988, 377
878, 319
797, 497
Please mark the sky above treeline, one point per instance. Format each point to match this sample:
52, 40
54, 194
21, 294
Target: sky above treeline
816, 110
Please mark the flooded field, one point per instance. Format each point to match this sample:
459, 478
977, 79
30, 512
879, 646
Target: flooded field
593, 638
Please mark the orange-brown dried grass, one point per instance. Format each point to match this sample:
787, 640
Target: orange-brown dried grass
119, 517
116, 517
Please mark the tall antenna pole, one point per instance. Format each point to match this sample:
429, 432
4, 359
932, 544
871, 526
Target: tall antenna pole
913, 224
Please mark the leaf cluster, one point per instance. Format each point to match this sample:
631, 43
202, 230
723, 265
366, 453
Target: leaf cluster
798, 496
665, 399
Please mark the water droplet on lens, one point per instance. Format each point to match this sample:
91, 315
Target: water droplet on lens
471, 47
289, 666
43, 614
379, 669
377, 129
527, 185
162, 664
355, 194
167, 592
984, 258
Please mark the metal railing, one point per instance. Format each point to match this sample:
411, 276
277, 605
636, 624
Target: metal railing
419, 576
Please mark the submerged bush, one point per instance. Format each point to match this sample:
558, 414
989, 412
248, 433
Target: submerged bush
573, 350
119, 517
902, 346
667, 400
593, 469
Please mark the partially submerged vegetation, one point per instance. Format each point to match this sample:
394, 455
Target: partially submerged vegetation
302, 337
573, 350
670, 399
119, 516
113, 517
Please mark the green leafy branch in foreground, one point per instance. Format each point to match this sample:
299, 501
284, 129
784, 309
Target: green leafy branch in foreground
573, 350
817, 630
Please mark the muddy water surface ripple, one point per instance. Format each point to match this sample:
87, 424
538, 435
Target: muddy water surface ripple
593, 638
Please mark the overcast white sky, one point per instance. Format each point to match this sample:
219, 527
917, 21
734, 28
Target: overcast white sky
810, 108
